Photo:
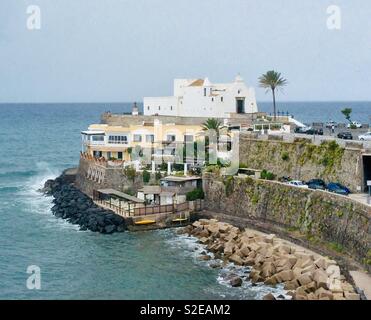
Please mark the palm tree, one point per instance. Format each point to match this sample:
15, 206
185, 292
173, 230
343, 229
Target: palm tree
215, 125
272, 80
212, 124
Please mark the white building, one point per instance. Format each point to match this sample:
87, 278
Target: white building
201, 98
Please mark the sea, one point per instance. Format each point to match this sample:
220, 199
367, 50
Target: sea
39, 141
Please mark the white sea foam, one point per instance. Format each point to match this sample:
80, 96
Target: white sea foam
191, 247
38, 203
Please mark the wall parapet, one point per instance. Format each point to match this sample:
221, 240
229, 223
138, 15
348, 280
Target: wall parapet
319, 216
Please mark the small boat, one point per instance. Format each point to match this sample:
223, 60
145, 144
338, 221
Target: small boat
180, 219
144, 222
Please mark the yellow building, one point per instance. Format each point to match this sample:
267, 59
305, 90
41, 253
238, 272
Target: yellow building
119, 142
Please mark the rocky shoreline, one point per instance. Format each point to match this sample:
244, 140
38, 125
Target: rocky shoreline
77, 208
305, 275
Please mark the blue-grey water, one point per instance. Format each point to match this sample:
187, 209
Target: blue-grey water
309, 112
37, 142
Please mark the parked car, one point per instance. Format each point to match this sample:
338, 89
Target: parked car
316, 184
356, 124
345, 136
365, 136
338, 188
308, 130
297, 183
301, 129
284, 179
330, 124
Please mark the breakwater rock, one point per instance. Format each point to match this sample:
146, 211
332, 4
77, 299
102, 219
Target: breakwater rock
272, 261
77, 208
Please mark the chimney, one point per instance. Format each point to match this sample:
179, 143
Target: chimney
135, 110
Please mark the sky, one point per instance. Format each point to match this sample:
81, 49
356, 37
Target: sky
122, 50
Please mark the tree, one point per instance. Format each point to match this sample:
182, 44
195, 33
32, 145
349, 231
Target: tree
271, 81
216, 126
347, 112
212, 124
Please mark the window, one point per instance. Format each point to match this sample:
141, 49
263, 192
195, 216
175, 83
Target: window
109, 155
239, 91
171, 107
170, 137
212, 99
221, 99
159, 107
188, 138
119, 155
97, 154
97, 138
137, 138
150, 138
148, 108
204, 92
118, 139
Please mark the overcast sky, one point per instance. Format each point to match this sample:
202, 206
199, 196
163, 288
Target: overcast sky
122, 50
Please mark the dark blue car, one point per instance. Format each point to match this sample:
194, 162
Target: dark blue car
338, 188
316, 184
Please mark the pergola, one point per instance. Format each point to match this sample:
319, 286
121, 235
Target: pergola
107, 195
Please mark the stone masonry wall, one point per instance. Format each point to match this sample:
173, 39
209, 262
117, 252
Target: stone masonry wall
318, 215
304, 161
113, 179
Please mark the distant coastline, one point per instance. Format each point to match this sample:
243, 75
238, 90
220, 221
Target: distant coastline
307, 112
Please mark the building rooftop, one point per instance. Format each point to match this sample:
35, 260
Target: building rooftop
197, 83
180, 179
119, 194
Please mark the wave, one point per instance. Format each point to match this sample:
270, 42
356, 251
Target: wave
191, 247
35, 202
18, 174
9, 189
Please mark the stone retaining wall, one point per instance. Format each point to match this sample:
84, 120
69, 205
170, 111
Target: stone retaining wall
303, 160
114, 178
321, 216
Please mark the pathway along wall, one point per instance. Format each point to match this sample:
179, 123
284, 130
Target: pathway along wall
303, 160
341, 222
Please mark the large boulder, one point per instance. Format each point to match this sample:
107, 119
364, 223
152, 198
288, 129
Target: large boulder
236, 259
269, 296
235, 282
268, 269
286, 275
321, 278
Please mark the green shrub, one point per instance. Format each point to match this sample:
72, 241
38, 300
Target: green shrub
285, 156
158, 175
129, 191
130, 173
146, 176
243, 165
195, 194
163, 166
267, 175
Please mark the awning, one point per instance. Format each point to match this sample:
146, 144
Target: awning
91, 133
121, 195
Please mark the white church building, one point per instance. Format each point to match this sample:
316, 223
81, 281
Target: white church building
201, 98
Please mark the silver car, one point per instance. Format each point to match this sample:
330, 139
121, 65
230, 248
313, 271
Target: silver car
365, 136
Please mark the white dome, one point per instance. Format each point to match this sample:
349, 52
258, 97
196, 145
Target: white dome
207, 82
238, 78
